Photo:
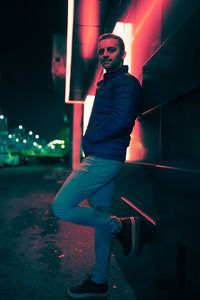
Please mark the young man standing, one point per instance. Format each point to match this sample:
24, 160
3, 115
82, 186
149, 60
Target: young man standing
104, 143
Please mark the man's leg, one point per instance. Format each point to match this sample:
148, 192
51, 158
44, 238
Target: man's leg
92, 174
101, 201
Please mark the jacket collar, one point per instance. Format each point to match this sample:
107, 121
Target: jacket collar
111, 74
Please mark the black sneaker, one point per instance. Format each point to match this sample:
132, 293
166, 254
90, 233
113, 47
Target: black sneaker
89, 289
134, 233
127, 235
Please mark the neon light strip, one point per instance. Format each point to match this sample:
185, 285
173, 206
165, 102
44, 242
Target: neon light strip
144, 19
75, 102
166, 167
139, 210
69, 48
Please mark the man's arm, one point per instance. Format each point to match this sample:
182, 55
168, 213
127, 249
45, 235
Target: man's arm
126, 98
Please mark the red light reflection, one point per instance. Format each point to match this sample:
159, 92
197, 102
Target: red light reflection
137, 150
139, 211
147, 35
77, 116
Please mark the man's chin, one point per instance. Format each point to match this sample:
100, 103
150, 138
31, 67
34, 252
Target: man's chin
108, 67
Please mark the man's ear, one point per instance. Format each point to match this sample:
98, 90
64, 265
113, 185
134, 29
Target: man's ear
123, 54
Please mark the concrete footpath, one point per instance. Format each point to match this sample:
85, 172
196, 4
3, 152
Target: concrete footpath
42, 256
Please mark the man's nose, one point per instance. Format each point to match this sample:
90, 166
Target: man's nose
106, 54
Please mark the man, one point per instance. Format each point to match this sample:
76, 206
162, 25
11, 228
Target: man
104, 143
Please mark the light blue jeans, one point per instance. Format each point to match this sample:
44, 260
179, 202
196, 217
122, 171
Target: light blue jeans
93, 179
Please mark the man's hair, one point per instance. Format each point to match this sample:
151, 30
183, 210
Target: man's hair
113, 36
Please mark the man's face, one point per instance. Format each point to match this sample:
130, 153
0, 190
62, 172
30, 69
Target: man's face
110, 55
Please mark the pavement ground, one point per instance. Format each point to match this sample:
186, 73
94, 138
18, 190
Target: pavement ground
41, 256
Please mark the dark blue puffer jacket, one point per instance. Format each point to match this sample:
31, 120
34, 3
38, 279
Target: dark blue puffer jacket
113, 115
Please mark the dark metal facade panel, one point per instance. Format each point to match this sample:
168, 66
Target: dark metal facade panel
165, 269
150, 136
175, 14
174, 69
180, 142
165, 184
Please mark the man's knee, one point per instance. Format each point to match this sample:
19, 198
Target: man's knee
60, 208
57, 209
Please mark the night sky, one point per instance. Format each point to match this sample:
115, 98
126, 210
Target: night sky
27, 96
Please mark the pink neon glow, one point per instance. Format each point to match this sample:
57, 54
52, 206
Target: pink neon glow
137, 151
144, 37
89, 17
165, 167
147, 33
75, 101
139, 211
145, 40
77, 116
160, 166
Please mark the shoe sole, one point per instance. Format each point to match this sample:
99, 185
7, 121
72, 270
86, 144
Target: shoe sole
86, 295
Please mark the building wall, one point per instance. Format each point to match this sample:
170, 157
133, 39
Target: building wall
162, 176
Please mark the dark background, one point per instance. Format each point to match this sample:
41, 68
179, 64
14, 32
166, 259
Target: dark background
26, 86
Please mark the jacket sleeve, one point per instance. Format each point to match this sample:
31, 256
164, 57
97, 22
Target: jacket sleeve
126, 98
